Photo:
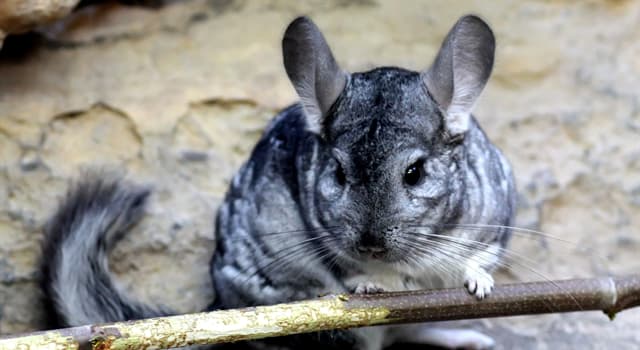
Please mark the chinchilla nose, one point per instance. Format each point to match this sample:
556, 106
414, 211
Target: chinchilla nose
371, 244
371, 250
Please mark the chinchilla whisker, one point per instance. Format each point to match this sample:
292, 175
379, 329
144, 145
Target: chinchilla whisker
445, 253
332, 263
451, 255
462, 240
298, 246
444, 269
298, 257
515, 259
522, 231
510, 265
301, 245
292, 232
327, 252
466, 245
422, 247
281, 259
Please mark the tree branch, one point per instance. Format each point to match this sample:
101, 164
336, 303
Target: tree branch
609, 294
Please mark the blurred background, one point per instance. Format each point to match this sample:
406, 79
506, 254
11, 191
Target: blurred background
175, 93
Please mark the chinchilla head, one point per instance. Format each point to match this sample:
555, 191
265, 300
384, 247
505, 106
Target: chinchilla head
392, 138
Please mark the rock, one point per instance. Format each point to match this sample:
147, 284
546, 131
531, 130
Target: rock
18, 16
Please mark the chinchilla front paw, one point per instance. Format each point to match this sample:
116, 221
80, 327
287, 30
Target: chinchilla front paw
367, 288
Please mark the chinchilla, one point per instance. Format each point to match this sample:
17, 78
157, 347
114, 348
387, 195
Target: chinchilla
378, 180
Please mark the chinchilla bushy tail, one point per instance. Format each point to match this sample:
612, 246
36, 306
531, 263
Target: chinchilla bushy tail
76, 281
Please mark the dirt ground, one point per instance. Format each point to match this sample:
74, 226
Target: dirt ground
176, 96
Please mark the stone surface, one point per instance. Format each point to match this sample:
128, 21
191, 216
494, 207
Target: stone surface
176, 96
17, 16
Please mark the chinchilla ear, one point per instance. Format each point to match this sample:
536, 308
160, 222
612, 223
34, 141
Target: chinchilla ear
312, 69
460, 71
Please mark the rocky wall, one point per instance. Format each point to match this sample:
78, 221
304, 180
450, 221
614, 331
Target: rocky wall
175, 96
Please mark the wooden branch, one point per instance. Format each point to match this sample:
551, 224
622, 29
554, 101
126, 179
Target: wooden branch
610, 295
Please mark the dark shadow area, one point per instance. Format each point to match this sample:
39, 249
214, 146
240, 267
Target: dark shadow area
17, 48
141, 3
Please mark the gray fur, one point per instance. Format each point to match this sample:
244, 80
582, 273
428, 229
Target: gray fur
368, 184
312, 69
76, 279
288, 229
461, 71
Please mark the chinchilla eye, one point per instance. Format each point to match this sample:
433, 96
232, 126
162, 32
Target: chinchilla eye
414, 173
340, 176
